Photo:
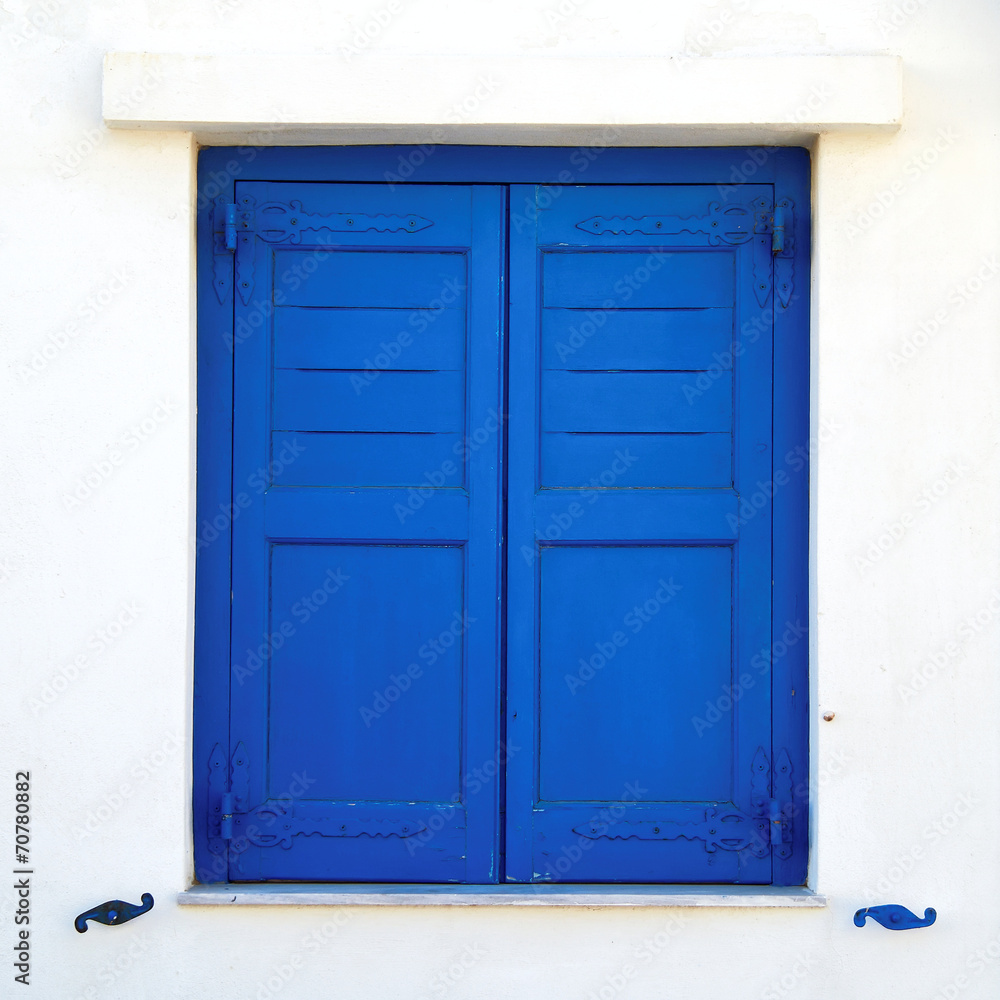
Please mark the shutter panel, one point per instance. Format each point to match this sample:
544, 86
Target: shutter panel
365, 566
638, 595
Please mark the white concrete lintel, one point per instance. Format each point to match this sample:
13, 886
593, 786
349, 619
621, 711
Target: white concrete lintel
535, 100
285, 894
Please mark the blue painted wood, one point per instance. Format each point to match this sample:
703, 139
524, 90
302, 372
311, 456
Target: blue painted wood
650, 460
553, 167
365, 616
642, 402
333, 493
632, 612
371, 340
397, 401
635, 339
216, 507
794, 446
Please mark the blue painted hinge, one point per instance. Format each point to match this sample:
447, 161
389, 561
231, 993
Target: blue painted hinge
783, 249
224, 225
230, 226
771, 798
237, 225
234, 827
766, 829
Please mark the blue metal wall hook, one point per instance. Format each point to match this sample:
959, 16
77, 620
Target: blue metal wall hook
114, 912
895, 917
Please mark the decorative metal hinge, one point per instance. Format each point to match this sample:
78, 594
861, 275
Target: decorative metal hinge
768, 829
783, 249
729, 225
237, 224
771, 799
233, 825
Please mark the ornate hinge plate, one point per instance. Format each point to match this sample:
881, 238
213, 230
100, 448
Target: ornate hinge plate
236, 225
729, 224
767, 829
728, 829
783, 250
273, 824
725, 225
233, 825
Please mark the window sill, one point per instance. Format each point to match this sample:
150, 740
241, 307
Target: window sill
308, 894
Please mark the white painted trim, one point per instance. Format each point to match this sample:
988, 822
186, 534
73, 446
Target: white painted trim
296, 98
285, 894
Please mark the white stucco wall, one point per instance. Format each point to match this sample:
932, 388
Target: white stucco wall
97, 580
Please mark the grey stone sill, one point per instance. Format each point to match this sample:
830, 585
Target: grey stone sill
309, 894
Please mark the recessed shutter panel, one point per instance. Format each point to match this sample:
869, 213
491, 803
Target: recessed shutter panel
641, 408
365, 671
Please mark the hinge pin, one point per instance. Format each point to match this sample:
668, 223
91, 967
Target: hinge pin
226, 820
230, 227
778, 231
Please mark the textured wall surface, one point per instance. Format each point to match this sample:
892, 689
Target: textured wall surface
98, 522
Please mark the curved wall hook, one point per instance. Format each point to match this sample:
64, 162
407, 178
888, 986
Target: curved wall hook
895, 917
114, 912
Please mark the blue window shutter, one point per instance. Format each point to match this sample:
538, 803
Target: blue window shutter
564, 644
639, 590
365, 664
